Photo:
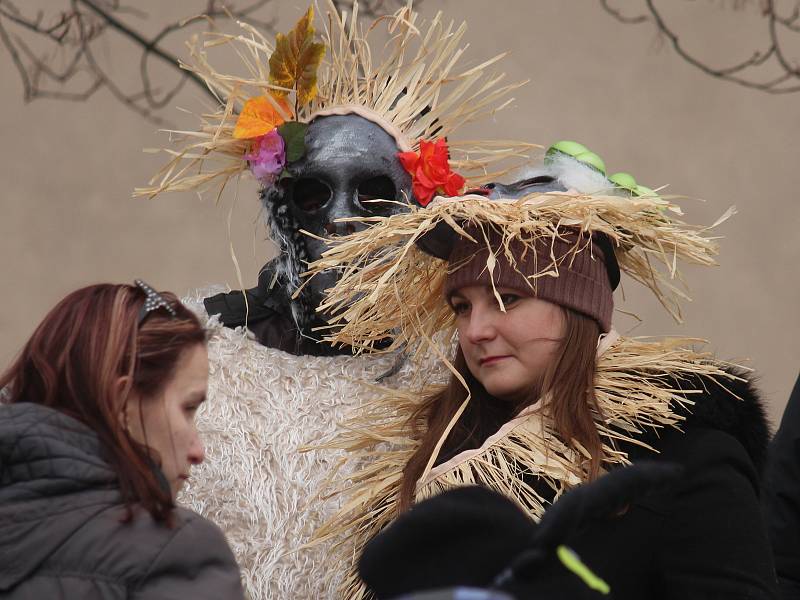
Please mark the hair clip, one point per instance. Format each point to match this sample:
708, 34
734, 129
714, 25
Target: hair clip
153, 301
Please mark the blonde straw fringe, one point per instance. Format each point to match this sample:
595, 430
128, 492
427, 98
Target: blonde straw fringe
637, 388
388, 287
417, 72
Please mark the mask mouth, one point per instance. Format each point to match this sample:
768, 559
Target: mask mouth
339, 228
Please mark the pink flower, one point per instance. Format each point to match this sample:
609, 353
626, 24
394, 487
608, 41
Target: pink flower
267, 157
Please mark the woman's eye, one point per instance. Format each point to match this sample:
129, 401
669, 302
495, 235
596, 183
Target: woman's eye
509, 299
460, 308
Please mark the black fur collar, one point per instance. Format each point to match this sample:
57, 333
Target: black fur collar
733, 406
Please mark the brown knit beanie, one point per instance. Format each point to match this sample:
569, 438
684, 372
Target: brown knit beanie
582, 283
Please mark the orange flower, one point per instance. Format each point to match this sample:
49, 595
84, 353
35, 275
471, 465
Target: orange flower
430, 171
258, 117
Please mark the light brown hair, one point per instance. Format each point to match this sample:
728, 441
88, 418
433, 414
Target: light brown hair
570, 380
77, 357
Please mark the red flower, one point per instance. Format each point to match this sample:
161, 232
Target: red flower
430, 171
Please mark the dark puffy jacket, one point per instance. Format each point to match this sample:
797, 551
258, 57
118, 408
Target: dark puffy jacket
705, 538
61, 535
782, 497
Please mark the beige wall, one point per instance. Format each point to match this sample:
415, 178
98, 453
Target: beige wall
68, 171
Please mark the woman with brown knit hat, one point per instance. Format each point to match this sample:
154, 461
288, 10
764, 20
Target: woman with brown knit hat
543, 393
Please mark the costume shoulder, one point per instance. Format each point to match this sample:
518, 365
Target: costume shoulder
238, 307
266, 311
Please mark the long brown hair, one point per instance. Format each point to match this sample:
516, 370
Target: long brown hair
77, 357
569, 378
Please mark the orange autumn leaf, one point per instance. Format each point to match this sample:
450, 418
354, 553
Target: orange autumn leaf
294, 62
258, 117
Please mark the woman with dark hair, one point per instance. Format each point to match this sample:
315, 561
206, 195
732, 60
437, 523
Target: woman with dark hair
97, 436
543, 394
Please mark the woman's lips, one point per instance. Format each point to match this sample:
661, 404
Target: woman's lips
490, 360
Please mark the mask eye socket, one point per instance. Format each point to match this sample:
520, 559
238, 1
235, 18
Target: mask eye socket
309, 195
377, 188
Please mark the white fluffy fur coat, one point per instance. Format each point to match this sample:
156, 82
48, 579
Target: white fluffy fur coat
263, 405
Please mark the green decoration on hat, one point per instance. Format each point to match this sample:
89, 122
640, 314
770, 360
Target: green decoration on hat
577, 151
565, 147
593, 160
642, 190
624, 181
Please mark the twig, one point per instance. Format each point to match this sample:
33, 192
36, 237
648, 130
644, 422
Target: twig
742, 73
148, 46
74, 31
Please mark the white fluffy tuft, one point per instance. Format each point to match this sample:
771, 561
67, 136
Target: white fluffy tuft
572, 174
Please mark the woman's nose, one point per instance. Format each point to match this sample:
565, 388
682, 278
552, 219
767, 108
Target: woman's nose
479, 327
197, 453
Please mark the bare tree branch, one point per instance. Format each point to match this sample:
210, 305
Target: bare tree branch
148, 46
12, 50
745, 73
71, 34
617, 14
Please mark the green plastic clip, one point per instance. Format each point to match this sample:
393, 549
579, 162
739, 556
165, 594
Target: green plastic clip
573, 562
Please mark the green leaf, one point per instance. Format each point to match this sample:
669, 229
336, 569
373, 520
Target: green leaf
294, 138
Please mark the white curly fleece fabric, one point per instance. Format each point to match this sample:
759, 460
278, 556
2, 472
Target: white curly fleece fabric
264, 404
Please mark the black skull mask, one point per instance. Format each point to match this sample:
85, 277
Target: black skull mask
349, 162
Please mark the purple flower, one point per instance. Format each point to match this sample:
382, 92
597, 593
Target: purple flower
267, 157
